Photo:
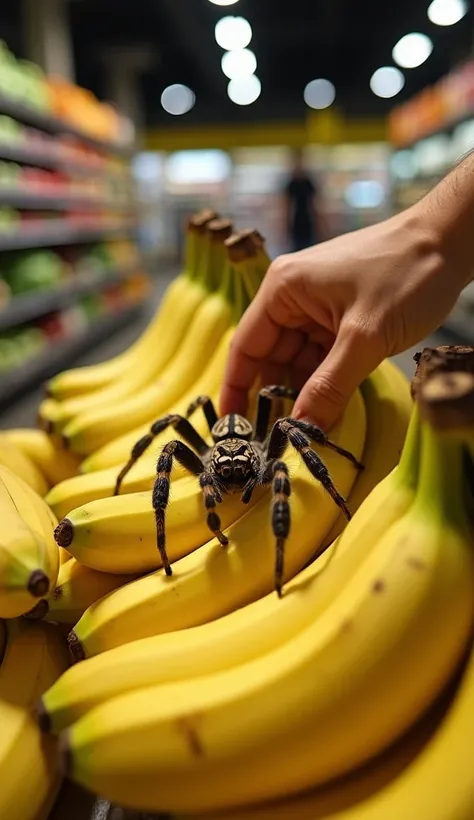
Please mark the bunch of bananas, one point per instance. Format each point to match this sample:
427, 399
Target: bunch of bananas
207, 680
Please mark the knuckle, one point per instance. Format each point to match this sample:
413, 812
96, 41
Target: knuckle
365, 330
325, 388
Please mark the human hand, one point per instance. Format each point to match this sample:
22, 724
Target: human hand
330, 314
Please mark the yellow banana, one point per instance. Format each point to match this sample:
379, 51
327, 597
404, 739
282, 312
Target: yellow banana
25, 573
388, 404
91, 430
231, 640
77, 588
213, 580
118, 534
160, 351
12, 457
54, 462
64, 556
29, 775
117, 452
37, 515
318, 706
81, 380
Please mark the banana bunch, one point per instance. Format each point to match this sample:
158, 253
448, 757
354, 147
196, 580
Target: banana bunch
208, 695
32, 656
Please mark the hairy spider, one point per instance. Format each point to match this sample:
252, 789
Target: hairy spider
238, 461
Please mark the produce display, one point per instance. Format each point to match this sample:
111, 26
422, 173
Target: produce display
306, 652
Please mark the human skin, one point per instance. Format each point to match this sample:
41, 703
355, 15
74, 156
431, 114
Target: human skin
330, 314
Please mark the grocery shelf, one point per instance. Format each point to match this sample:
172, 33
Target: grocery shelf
55, 125
54, 161
59, 232
62, 354
31, 306
52, 202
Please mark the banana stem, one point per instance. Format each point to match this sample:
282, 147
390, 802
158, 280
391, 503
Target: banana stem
191, 255
205, 262
441, 481
408, 468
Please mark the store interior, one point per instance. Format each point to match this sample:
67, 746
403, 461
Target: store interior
119, 120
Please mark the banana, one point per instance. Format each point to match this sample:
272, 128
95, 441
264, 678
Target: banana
117, 452
155, 361
230, 640
29, 775
17, 462
213, 580
77, 588
314, 708
91, 430
118, 534
158, 335
64, 556
25, 572
37, 515
388, 404
54, 462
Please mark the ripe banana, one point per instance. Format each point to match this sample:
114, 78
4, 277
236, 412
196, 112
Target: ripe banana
81, 380
117, 452
17, 462
213, 580
77, 588
89, 431
37, 515
314, 708
162, 348
25, 571
388, 404
118, 534
230, 640
54, 462
35, 656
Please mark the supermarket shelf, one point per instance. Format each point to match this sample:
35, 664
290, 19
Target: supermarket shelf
54, 125
59, 232
52, 202
55, 161
61, 355
31, 306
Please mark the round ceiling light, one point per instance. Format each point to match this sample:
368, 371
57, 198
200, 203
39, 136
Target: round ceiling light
233, 33
224, 2
178, 99
239, 63
244, 90
319, 94
412, 50
447, 12
387, 82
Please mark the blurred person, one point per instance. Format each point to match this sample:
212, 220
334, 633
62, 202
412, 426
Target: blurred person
300, 202
333, 312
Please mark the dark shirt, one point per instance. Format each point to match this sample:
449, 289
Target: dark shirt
301, 191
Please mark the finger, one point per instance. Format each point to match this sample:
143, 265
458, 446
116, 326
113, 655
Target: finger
326, 393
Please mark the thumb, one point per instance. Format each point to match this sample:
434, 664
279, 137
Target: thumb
326, 393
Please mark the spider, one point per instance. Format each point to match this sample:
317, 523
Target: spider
239, 460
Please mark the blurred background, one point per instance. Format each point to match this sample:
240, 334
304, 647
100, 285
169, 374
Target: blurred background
119, 118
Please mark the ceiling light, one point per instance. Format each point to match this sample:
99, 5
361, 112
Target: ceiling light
244, 90
412, 50
223, 2
319, 94
387, 81
447, 12
178, 99
239, 63
233, 33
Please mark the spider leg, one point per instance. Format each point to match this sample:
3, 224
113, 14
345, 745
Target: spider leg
281, 518
161, 489
180, 424
264, 407
285, 431
207, 407
320, 437
212, 496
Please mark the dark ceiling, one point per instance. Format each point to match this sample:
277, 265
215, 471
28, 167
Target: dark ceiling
294, 40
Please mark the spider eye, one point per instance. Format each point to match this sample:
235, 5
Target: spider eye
225, 472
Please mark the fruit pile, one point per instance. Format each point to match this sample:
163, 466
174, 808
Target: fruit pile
198, 690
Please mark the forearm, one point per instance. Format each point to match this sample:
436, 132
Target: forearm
449, 210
